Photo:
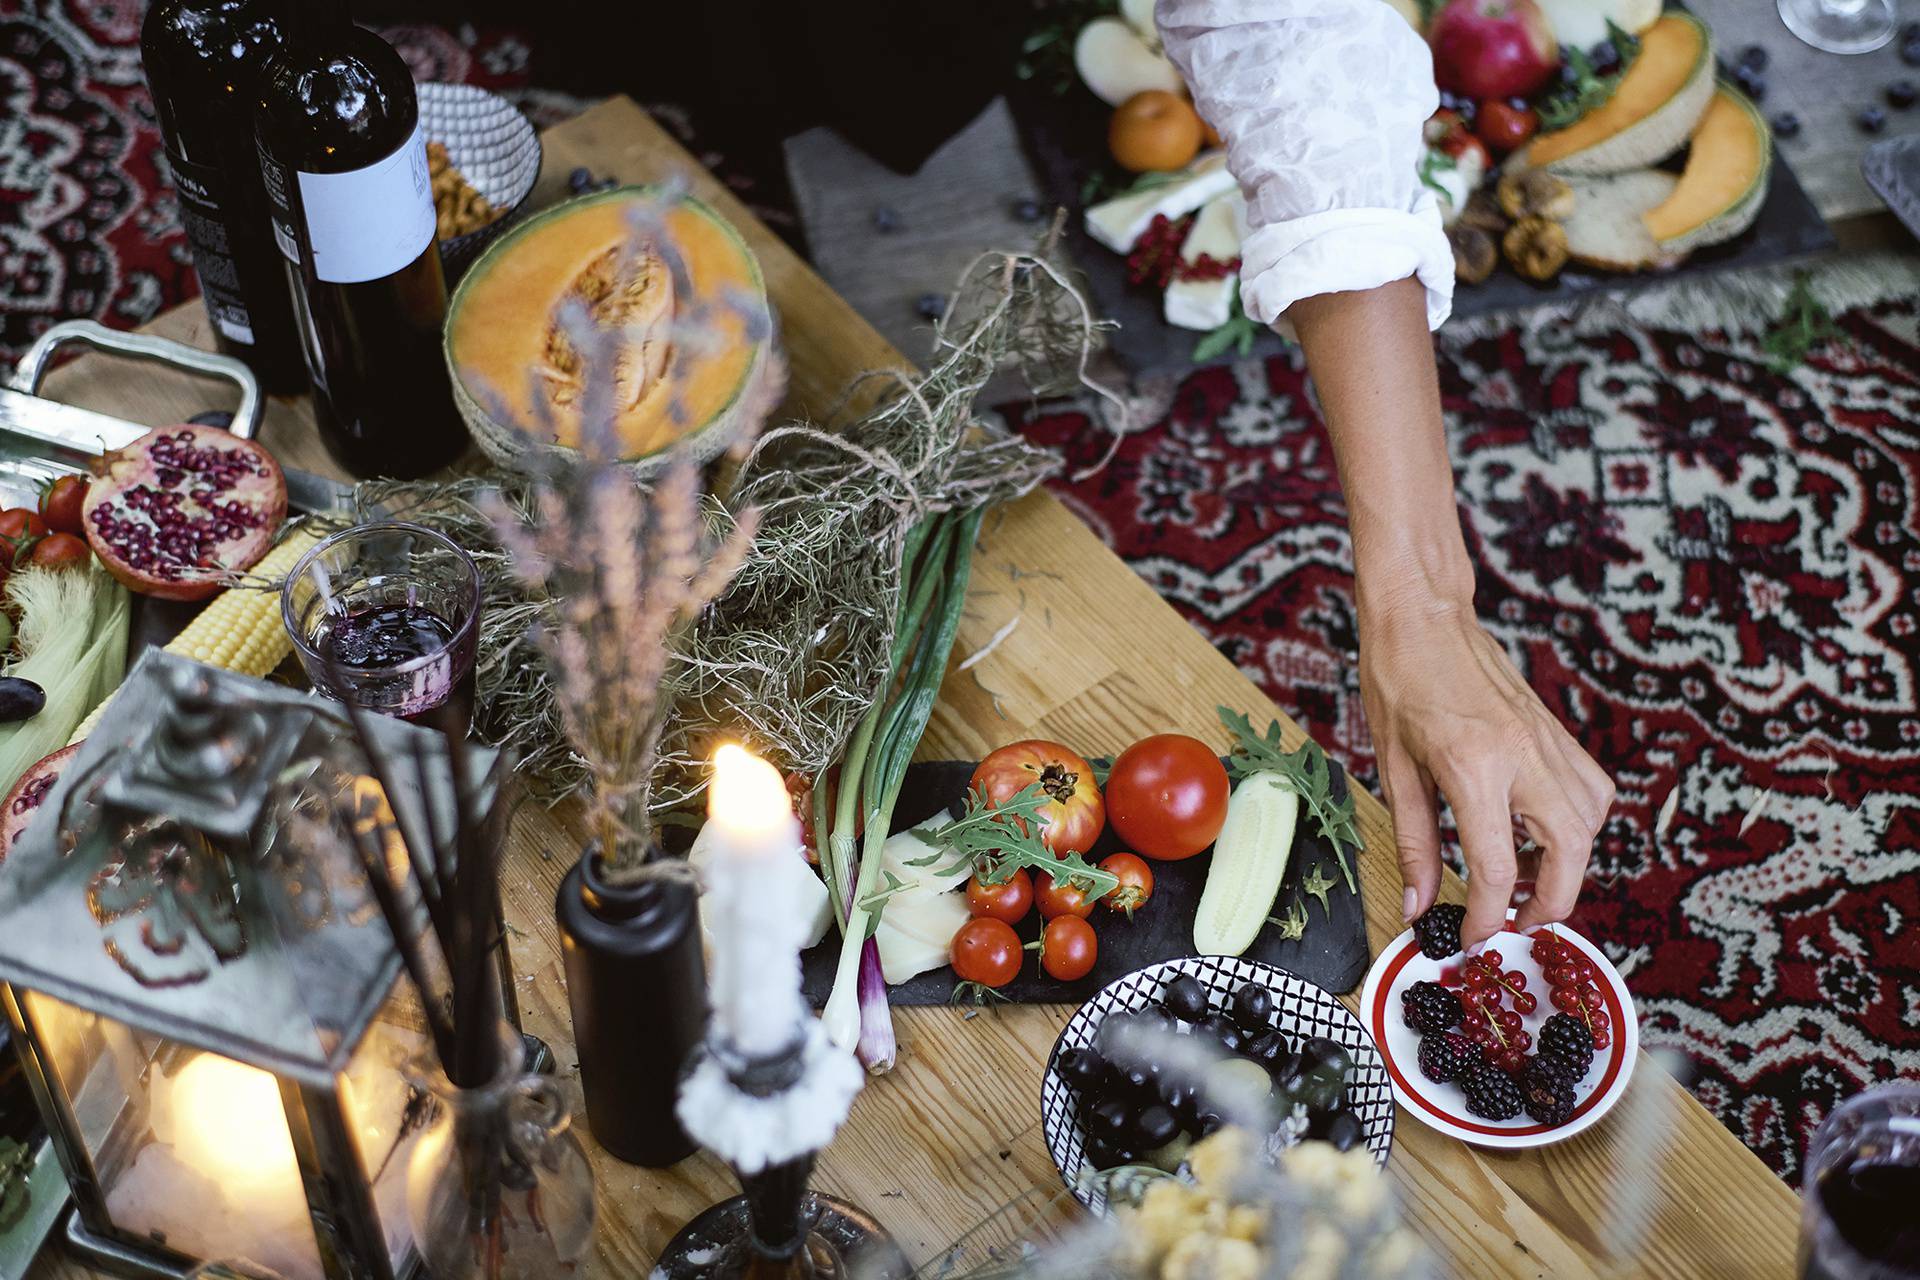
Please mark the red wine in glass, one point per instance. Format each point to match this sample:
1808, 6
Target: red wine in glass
1872, 1205
386, 652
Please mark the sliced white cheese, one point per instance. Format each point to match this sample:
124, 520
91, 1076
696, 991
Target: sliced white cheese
1119, 222
1218, 231
904, 848
1458, 178
799, 883
1583, 23
916, 931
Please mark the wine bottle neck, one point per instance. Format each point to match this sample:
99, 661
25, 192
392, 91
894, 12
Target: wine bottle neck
310, 17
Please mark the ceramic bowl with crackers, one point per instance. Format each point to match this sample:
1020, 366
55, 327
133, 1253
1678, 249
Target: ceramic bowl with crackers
483, 156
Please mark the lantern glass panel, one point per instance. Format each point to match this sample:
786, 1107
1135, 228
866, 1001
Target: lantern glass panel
387, 1114
189, 1150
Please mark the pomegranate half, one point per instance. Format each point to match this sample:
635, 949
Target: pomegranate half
180, 510
28, 794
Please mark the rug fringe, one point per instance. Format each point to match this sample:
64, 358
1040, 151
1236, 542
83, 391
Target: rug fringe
1730, 303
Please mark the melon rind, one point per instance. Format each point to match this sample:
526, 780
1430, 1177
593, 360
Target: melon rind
1739, 215
515, 449
1660, 132
1605, 231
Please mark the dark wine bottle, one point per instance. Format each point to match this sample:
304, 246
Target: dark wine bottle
345, 166
202, 59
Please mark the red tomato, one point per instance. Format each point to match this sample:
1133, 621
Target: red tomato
1073, 814
60, 504
1505, 127
1168, 796
1009, 900
1136, 882
1448, 134
1060, 899
1068, 948
61, 551
17, 524
986, 951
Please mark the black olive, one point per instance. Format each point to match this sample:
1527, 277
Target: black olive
1342, 1128
1082, 1068
1319, 1093
1207, 1122
20, 699
1268, 1049
1141, 1077
1102, 1154
1154, 1127
1185, 998
1253, 1006
1178, 1096
1108, 1119
1287, 1073
1225, 1033
1328, 1055
1156, 1021
1112, 1033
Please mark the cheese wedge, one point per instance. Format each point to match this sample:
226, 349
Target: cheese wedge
1217, 231
1119, 222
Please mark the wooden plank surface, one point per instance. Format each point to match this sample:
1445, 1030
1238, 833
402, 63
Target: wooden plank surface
953, 1132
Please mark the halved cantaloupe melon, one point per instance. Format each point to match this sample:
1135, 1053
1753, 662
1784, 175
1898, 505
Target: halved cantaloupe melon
1605, 229
1652, 111
517, 376
1725, 181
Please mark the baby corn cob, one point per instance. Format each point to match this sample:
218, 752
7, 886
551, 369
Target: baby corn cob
240, 629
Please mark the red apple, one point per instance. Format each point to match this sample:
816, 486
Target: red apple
1492, 48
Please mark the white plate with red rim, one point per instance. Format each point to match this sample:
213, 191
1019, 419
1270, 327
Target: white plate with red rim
1443, 1106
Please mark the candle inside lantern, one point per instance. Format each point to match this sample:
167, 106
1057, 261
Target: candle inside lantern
757, 931
230, 1124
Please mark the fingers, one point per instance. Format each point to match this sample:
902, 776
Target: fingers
1486, 836
1416, 831
1567, 840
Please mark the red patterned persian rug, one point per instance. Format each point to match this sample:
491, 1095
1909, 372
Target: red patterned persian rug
1711, 572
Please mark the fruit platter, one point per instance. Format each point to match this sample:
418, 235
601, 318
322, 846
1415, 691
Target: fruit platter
1578, 147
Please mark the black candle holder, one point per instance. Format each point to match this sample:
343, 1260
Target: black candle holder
778, 1227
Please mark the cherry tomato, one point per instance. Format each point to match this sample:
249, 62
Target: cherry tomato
1168, 796
60, 504
1009, 900
1060, 899
1136, 882
60, 551
986, 951
1505, 127
1068, 948
1448, 134
1074, 813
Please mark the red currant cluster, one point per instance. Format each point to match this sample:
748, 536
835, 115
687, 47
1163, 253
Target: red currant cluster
1575, 985
1495, 1001
1207, 267
1155, 256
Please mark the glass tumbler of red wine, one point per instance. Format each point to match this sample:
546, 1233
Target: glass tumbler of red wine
1860, 1218
387, 616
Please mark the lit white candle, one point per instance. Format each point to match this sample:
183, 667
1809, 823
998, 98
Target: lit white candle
751, 892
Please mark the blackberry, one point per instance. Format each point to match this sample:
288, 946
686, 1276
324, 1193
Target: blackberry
1429, 1007
1547, 1091
1567, 1036
1447, 1056
1491, 1093
1438, 931
1575, 1069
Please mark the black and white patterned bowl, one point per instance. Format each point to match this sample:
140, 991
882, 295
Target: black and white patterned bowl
493, 145
1300, 1009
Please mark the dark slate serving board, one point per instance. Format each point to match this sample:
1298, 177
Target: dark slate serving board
1065, 137
1333, 954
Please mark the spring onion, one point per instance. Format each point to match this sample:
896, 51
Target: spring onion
73, 644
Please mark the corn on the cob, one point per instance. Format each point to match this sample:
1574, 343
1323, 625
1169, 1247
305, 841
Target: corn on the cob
240, 630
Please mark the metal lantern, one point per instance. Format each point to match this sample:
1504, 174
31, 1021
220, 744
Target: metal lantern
208, 1002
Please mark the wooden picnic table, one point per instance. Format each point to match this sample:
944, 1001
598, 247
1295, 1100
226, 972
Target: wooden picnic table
953, 1132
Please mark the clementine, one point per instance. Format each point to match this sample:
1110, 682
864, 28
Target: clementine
1154, 131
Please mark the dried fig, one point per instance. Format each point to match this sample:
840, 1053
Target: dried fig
1483, 213
1474, 255
1535, 193
1537, 247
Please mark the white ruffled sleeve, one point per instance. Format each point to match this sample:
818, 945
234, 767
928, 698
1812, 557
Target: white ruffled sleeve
1321, 103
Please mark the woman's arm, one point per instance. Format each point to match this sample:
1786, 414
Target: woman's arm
1444, 705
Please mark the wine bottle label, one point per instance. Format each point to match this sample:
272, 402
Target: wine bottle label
203, 193
362, 224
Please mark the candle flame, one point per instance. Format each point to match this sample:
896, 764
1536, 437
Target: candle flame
747, 793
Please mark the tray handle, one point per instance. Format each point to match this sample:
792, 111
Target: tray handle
144, 346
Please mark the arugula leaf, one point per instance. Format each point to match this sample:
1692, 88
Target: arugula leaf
877, 901
994, 841
1588, 91
1804, 324
1307, 772
1240, 330
1433, 161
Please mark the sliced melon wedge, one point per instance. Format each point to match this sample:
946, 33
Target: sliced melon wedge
1726, 177
1652, 112
1606, 230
